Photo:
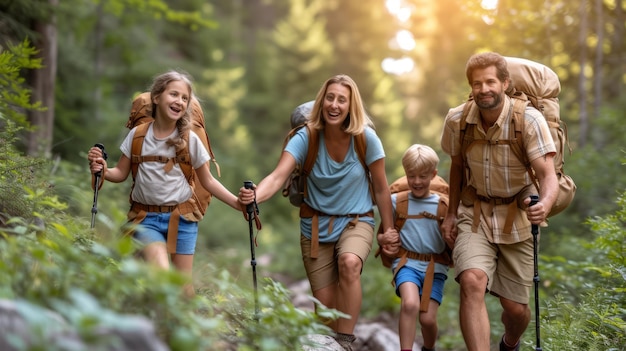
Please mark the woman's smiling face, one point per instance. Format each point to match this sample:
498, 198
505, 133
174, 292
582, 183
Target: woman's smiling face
336, 104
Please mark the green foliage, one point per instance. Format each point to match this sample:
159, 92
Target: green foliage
94, 285
14, 96
595, 320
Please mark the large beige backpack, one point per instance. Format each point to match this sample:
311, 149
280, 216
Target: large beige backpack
537, 84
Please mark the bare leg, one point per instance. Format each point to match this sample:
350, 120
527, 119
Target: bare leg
349, 295
156, 253
515, 317
473, 311
409, 311
184, 263
428, 321
327, 297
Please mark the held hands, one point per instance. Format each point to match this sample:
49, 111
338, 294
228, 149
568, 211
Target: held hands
246, 196
389, 241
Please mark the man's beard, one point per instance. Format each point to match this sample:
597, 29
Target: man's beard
483, 105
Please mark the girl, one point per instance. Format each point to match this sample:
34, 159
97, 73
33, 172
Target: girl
161, 195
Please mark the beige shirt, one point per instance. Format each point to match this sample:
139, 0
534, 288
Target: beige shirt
154, 186
493, 169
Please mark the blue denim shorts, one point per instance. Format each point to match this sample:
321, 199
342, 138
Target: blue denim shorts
154, 229
408, 274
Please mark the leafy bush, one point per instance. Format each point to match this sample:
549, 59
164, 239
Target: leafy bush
596, 318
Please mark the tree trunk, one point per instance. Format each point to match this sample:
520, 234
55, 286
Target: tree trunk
42, 81
582, 61
598, 72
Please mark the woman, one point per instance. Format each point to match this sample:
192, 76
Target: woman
339, 199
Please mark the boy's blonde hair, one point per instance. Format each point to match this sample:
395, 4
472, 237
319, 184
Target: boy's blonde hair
420, 158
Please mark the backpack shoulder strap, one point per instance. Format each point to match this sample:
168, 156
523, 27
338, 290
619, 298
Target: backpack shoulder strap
135, 151
183, 158
520, 102
402, 209
311, 154
360, 146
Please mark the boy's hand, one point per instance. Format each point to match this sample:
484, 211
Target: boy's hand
389, 241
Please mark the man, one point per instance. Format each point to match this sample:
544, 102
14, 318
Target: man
486, 225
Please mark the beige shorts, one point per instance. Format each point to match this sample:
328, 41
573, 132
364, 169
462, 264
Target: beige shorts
509, 267
323, 270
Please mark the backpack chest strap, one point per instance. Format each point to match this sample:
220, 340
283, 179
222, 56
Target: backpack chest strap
182, 159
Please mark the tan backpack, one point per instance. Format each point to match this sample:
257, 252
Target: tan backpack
538, 85
141, 117
141, 114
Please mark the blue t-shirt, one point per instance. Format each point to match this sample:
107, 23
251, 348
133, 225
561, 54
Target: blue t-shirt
421, 235
336, 188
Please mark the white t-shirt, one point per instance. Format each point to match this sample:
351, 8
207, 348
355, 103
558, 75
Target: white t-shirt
153, 186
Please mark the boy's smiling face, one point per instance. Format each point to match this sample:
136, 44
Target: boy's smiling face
419, 182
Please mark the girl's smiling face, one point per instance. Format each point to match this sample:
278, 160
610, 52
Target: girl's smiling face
174, 101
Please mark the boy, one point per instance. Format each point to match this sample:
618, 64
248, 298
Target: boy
419, 260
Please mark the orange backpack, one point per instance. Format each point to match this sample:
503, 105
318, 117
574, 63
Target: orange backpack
141, 115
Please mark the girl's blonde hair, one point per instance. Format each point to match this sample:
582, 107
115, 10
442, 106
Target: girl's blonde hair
159, 84
420, 158
357, 118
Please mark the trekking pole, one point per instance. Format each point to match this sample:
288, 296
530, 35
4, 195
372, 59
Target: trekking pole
535, 231
252, 209
97, 175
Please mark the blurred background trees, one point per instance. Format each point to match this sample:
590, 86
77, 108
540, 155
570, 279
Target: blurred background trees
253, 61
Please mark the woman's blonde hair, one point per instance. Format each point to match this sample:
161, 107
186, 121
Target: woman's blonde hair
159, 84
420, 158
357, 118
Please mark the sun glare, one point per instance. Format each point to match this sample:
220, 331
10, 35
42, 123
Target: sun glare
405, 40
489, 4
399, 10
398, 66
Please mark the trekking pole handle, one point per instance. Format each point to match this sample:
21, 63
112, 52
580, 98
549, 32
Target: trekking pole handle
104, 156
249, 207
533, 201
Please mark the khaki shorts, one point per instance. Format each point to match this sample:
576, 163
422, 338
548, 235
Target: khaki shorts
323, 270
509, 267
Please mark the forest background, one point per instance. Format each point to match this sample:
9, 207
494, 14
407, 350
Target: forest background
254, 61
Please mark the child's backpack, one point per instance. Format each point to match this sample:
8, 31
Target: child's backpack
400, 187
533, 83
141, 117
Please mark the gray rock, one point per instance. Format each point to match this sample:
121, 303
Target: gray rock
26, 326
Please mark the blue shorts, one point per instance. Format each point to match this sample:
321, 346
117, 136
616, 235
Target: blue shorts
153, 229
408, 274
